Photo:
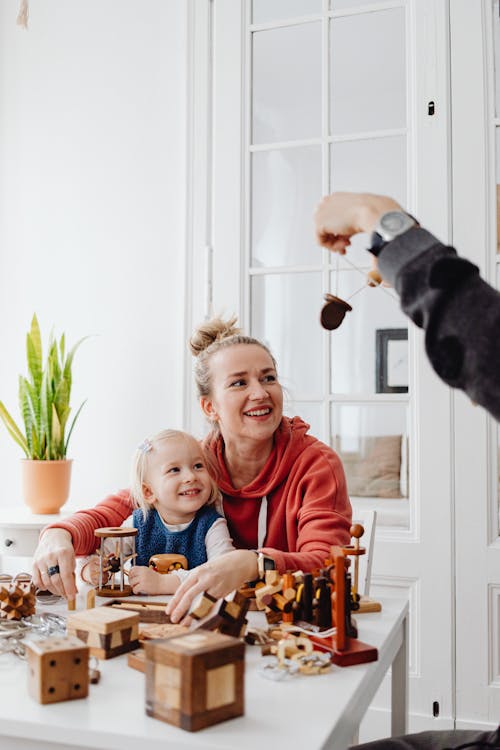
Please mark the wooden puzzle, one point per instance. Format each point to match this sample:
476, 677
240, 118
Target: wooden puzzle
195, 680
221, 615
112, 564
167, 562
147, 611
17, 597
106, 631
58, 669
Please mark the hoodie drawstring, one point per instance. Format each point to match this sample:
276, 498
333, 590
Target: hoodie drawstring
262, 523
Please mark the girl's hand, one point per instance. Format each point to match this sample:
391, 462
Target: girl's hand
217, 577
145, 580
55, 549
89, 572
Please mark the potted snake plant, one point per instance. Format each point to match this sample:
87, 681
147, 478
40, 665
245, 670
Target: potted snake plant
44, 401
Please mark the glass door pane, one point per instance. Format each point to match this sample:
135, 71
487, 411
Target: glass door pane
264, 11
286, 86
369, 351
368, 89
285, 187
285, 316
372, 441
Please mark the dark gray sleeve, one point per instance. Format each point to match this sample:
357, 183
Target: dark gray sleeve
445, 739
460, 313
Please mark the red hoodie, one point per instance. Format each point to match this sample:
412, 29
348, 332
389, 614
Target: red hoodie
308, 505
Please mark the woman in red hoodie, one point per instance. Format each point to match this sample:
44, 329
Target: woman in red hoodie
284, 492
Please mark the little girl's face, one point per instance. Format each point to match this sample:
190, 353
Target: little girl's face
178, 478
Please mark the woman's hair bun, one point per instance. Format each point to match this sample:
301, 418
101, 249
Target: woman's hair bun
212, 330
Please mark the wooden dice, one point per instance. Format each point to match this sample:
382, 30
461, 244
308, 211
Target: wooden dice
195, 680
108, 632
58, 669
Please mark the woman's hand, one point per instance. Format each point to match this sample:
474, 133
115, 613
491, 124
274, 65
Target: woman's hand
55, 549
340, 215
217, 577
145, 580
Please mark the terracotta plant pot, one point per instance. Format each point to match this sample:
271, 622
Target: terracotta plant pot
46, 484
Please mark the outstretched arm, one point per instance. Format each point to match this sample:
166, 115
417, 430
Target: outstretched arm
440, 291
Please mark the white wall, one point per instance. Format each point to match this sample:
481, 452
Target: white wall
92, 183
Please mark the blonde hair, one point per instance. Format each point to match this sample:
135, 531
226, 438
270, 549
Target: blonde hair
209, 338
139, 470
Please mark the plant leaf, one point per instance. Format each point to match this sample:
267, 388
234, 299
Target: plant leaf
72, 425
62, 347
13, 429
61, 403
45, 414
56, 436
34, 353
69, 361
27, 412
54, 367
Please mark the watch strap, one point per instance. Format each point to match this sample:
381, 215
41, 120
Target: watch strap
264, 563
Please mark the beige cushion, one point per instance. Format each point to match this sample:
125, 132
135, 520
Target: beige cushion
374, 471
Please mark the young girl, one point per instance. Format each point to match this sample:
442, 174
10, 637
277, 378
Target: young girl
175, 512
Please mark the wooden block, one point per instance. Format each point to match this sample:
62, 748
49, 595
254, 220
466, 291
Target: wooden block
147, 611
227, 617
91, 599
107, 631
203, 605
58, 669
137, 660
167, 562
195, 680
368, 605
355, 652
166, 630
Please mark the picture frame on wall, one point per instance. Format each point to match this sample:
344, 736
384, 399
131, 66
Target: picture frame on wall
391, 360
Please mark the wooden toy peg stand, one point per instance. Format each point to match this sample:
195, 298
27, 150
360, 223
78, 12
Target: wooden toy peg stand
346, 648
354, 550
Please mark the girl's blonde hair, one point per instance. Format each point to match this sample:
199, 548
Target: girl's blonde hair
209, 338
139, 470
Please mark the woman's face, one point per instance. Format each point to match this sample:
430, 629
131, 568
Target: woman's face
246, 399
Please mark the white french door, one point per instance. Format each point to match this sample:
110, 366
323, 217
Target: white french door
475, 78
307, 96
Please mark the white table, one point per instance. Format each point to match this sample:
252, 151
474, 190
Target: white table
306, 711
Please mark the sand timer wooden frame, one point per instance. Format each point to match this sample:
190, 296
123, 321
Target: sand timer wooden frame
111, 564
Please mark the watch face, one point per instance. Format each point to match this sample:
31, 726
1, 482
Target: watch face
393, 223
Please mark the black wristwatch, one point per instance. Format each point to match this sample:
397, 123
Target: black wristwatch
389, 226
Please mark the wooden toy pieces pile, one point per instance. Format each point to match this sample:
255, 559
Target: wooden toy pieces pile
17, 597
325, 601
296, 596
